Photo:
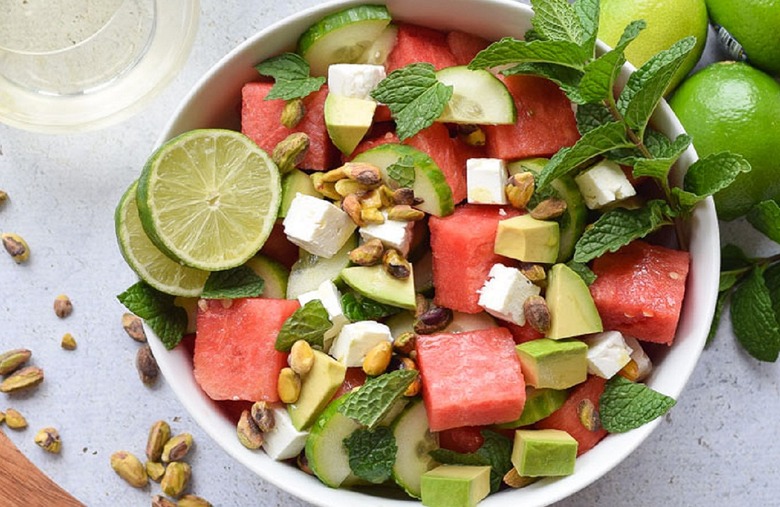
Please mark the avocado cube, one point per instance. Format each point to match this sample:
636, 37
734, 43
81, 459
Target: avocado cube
317, 388
455, 486
542, 453
555, 364
347, 120
527, 239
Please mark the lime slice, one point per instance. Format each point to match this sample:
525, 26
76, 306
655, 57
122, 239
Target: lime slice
149, 263
208, 198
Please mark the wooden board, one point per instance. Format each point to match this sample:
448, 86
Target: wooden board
22, 484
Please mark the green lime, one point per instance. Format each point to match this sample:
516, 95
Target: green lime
730, 106
668, 21
748, 29
209, 198
149, 263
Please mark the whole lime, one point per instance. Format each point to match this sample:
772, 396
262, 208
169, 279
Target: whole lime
749, 29
668, 21
729, 106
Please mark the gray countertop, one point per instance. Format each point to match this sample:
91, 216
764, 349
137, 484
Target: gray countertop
718, 446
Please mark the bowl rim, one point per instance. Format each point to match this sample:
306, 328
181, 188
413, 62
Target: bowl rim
679, 361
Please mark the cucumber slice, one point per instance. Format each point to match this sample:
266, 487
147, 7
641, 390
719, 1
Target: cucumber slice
414, 440
376, 53
325, 450
274, 274
292, 183
572, 223
429, 182
342, 37
478, 97
310, 270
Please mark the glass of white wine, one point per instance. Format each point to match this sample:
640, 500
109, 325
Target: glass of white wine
74, 65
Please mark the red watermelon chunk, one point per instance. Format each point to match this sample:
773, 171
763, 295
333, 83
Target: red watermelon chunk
260, 122
279, 248
567, 418
462, 248
234, 356
437, 143
470, 379
545, 121
465, 46
522, 334
382, 136
419, 44
639, 290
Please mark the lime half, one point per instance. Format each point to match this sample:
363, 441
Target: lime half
149, 263
209, 198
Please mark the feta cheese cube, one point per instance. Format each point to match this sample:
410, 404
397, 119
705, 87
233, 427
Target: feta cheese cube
330, 296
317, 226
392, 233
643, 362
485, 181
283, 441
603, 183
354, 80
355, 340
504, 293
608, 353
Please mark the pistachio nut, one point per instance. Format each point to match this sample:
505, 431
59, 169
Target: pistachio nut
366, 174
68, 342
326, 188
473, 135
48, 439
404, 212
193, 501
146, 364
515, 480
537, 314
13, 359
155, 470
378, 359
367, 254
347, 186
588, 415
549, 209
14, 419
433, 320
129, 468
248, 432
159, 434
25, 378
534, 272
519, 189
406, 363
2, 417
63, 306
372, 216
176, 448
176, 478
289, 385
292, 113
403, 196
352, 206
630, 371
16, 247
396, 265
405, 343
333, 175
301, 357
263, 416
371, 199
161, 501
290, 151
3, 196
422, 305
134, 327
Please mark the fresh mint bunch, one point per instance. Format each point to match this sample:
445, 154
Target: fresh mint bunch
168, 321
291, 75
561, 47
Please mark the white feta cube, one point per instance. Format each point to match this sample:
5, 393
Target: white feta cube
354, 80
604, 183
355, 340
608, 353
642, 360
485, 181
329, 294
504, 293
392, 233
283, 441
317, 226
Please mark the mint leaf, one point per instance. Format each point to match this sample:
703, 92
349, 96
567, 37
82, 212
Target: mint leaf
448, 457
732, 257
753, 318
659, 167
595, 142
625, 405
587, 275
567, 79
714, 172
513, 51
402, 171
240, 282
309, 323
588, 13
371, 453
497, 451
720, 304
415, 97
369, 404
168, 321
729, 279
620, 227
590, 116
556, 20
599, 78
357, 308
765, 218
772, 281
647, 85
291, 75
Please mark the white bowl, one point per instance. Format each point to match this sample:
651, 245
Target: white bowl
215, 102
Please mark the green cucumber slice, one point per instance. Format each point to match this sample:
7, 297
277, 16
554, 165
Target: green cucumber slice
429, 182
572, 223
376, 53
325, 451
273, 273
310, 270
415, 441
478, 97
292, 183
342, 37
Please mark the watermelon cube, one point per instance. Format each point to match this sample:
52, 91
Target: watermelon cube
419, 44
436, 142
462, 249
260, 121
639, 290
234, 357
471, 378
465, 46
545, 121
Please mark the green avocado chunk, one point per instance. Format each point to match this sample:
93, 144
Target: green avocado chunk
455, 486
539, 403
541, 453
347, 120
527, 239
317, 388
376, 283
572, 310
553, 364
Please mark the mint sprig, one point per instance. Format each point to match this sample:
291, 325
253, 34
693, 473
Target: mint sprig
626, 405
371, 453
495, 452
168, 321
414, 96
402, 171
291, 77
240, 282
308, 323
369, 404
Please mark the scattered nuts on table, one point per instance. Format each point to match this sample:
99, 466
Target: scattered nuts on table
13, 359
176, 478
16, 247
161, 501
155, 470
134, 327
3, 196
2, 417
25, 378
129, 468
63, 306
176, 448
146, 364
14, 419
193, 501
48, 439
68, 342
159, 434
